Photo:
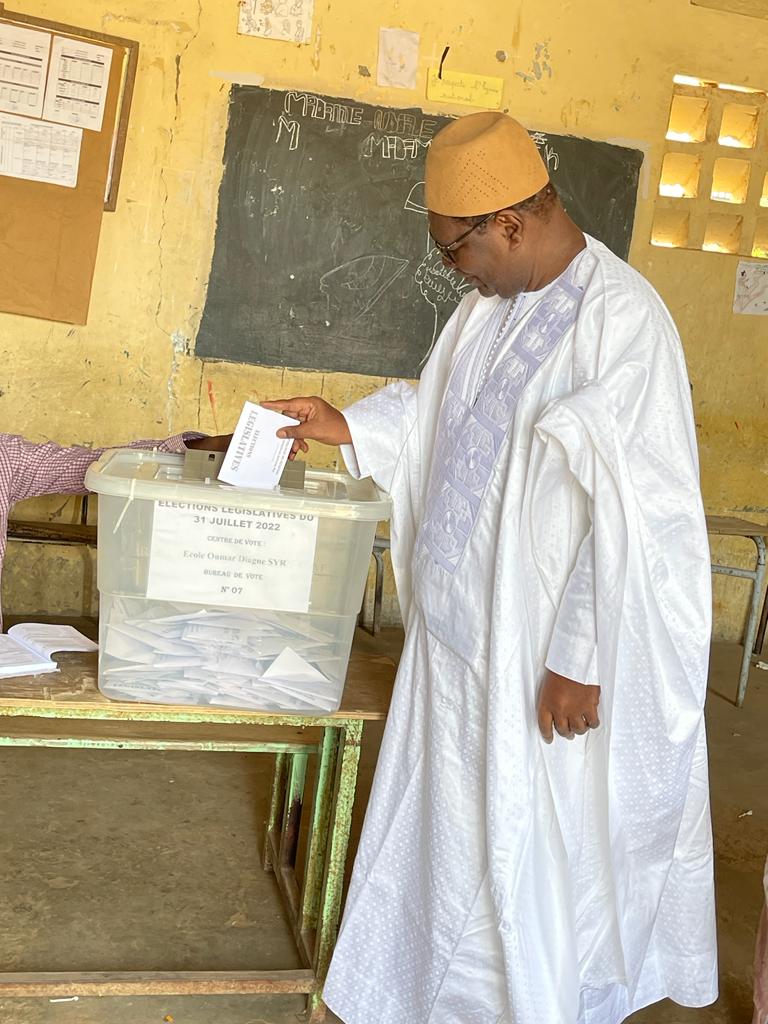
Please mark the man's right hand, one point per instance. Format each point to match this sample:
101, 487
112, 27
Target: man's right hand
319, 422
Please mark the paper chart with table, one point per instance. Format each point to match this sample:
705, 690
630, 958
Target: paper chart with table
77, 83
39, 151
23, 67
51, 89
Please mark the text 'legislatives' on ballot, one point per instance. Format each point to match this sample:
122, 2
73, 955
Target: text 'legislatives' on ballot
246, 443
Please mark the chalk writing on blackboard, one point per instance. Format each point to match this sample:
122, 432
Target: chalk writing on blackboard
306, 104
437, 282
393, 147
548, 152
292, 129
354, 288
440, 286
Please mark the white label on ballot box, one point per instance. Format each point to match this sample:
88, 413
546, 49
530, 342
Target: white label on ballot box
231, 556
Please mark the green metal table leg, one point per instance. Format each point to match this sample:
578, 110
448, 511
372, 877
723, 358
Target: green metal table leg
317, 843
275, 808
294, 800
346, 782
283, 840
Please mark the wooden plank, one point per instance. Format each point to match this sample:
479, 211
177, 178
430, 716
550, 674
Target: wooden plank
51, 533
155, 983
73, 693
731, 526
371, 675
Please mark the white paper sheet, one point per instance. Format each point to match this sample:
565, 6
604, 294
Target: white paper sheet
256, 457
23, 68
26, 648
39, 151
77, 84
751, 293
134, 641
17, 660
288, 20
288, 666
398, 58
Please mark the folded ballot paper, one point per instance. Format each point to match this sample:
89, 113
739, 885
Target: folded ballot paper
256, 456
26, 649
265, 661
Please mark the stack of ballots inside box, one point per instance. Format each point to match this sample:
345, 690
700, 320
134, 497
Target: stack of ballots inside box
158, 652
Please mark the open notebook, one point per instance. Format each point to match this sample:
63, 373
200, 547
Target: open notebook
26, 649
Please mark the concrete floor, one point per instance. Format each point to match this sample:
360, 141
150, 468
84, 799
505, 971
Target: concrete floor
130, 860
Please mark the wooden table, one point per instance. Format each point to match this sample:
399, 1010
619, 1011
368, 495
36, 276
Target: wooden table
65, 709
730, 526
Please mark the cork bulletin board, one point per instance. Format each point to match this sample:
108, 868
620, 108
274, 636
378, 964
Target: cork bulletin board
65, 97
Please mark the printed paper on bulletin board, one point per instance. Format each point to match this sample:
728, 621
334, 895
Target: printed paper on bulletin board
50, 232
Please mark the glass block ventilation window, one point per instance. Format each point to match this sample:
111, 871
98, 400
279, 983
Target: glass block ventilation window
713, 186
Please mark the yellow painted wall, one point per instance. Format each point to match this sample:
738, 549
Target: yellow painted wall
604, 71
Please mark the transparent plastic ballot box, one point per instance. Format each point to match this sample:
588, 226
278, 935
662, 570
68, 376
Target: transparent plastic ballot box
211, 594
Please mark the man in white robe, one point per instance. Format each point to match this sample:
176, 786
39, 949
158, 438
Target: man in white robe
552, 566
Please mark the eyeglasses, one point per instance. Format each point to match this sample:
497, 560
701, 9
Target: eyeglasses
447, 251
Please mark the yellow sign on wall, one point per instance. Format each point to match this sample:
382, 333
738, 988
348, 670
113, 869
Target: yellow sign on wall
469, 90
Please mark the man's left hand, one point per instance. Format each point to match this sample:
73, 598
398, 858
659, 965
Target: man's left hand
568, 707
218, 443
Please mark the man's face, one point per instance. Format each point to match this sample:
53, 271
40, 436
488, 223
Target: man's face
491, 257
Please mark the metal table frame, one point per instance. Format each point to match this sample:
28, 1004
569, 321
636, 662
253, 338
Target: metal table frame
380, 545
72, 714
754, 635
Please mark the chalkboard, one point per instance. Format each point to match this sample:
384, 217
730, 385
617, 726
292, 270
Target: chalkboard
322, 256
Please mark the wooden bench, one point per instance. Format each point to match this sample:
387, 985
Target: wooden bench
52, 533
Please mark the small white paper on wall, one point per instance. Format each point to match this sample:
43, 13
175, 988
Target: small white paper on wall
287, 20
398, 58
751, 294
